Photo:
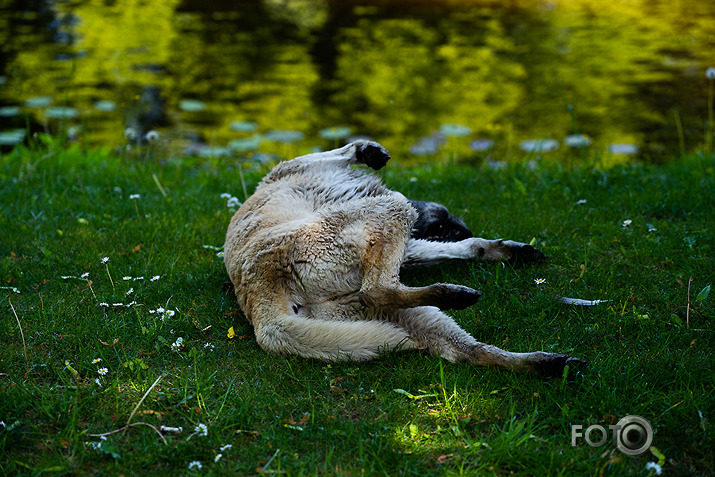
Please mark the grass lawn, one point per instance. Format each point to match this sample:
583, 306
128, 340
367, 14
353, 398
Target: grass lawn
113, 314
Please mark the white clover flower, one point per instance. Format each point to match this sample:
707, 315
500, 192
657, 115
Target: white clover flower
129, 292
103, 371
226, 447
654, 465
151, 136
710, 73
135, 197
96, 360
126, 278
220, 254
627, 222
218, 457
195, 465
130, 134
84, 275
169, 313
176, 345
160, 310
105, 260
201, 429
154, 278
539, 281
138, 278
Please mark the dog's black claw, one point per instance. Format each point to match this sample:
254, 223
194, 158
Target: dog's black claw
374, 155
525, 253
464, 298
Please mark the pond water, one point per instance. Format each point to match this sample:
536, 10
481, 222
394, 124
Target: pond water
506, 78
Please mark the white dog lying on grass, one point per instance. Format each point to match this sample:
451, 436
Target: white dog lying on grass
315, 257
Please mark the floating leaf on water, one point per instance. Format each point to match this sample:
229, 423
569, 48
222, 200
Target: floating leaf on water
455, 130
623, 149
335, 133
9, 111
213, 151
243, 126
481, 144
11, 138
61, 112
105, 106
579, 302
284, 135
38, 102
577, 140
539, 145
427, 145
246, 144
192, 105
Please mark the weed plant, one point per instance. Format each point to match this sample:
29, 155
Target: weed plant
115, 353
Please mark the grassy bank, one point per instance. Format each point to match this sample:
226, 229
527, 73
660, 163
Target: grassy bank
114, 315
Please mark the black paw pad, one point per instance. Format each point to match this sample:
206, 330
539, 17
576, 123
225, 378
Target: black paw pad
374, 155
458, 297
553, 365
524, 253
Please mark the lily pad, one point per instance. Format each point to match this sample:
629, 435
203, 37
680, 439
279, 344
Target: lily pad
426, 146
9, 111
455, 130
284, 135
623, 149
192, 105
246, 144
539, 145
243, 126
105, 106
481, 144
577, 140
335, 133
38, 102
213, 151
61, 112
12, 137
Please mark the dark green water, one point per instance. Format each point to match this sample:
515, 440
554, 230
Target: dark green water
231, 73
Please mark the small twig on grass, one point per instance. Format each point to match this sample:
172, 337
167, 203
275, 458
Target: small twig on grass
127, 427
22, 335
687, 310
142, 399
158, 184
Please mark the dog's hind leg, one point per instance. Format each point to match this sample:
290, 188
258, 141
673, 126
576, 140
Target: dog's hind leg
358, 340
358, 152
431, 329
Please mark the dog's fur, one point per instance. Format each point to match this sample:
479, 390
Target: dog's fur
315, 256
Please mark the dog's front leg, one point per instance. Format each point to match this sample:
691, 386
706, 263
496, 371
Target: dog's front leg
425, 252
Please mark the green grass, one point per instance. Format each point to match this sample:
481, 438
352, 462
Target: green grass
650, 348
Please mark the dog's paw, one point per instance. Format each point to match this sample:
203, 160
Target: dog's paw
456, 297
524, 253
372, 154
553, 364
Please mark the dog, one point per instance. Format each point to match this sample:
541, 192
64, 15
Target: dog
315, 254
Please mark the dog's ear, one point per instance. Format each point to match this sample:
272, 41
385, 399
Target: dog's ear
372, 154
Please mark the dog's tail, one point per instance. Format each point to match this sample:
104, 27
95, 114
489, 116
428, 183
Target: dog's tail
329, 340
